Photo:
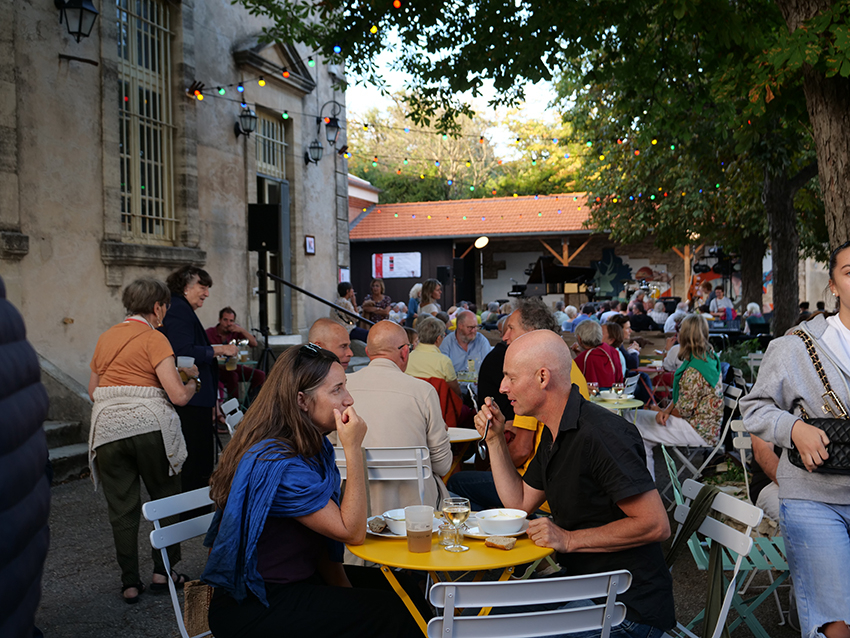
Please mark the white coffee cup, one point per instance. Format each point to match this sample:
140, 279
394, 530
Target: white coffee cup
185, 362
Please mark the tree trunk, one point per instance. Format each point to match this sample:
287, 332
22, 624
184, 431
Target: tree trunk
785, 248
752, 252
828, 103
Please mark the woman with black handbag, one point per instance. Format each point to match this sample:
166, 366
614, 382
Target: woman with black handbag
804, 377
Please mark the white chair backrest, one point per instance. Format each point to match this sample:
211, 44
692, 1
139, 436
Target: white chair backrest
232, 414
163, 537
393, 464
451, 596
742, 440
736, 541
631, 384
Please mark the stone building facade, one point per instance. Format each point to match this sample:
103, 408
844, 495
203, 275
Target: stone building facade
111, 168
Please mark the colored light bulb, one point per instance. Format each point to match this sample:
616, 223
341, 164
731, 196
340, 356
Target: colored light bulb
240, 88
285, 115
261, 81
311, 62
221, 91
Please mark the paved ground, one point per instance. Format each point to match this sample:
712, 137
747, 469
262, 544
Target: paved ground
81, 596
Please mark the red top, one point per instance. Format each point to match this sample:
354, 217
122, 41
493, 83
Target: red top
601, 364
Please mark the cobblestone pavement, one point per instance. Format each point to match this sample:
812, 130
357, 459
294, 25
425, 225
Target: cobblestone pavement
81, 588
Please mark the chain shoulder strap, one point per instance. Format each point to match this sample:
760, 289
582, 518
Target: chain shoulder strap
831, 403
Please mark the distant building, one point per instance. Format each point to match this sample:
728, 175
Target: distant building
111, 168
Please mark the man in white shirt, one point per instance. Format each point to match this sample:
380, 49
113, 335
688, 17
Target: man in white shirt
399, 411
676, 317
720, 304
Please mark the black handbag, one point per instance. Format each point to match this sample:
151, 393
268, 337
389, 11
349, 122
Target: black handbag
837, 427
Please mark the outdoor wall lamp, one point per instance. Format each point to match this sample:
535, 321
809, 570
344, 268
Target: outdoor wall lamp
314, 152
246, 124
79, 16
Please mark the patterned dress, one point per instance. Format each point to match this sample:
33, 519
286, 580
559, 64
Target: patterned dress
701, 405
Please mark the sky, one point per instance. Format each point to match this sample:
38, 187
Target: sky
359, 98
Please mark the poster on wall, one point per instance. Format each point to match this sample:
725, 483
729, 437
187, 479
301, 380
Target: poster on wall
396, 265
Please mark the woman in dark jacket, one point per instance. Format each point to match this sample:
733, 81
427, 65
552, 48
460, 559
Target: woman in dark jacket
25, 499
190, 286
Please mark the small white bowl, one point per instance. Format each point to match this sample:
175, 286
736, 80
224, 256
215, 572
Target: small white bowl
500, 521
395, 521
608, 395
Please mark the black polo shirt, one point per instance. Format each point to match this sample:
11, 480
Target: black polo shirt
597, 460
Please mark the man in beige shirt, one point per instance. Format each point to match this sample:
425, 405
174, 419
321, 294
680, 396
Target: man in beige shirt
399, 411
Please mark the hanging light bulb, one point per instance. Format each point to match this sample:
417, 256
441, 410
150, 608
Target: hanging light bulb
261, 81
311, 62
240, 88
285, 72
221, 91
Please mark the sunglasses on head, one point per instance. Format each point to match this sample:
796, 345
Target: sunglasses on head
312, 351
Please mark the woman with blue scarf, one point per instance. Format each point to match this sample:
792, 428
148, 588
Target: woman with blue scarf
695, 415
276, 559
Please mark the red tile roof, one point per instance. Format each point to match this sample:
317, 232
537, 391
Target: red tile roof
513, 216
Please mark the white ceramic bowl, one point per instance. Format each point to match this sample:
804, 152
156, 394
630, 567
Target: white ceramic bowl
608, 395
500, 521
395, 521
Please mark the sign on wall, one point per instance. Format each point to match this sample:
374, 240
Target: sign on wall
396, 265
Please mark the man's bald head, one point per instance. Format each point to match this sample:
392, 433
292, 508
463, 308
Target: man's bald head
537, 375
386, 340
330, 335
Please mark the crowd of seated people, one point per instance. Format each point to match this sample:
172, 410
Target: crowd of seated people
276, 547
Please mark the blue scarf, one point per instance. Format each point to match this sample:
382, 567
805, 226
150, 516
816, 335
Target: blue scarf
267, 483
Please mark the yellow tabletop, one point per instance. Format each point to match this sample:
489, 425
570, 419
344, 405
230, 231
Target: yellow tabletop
393, 552
616, 406
462, 435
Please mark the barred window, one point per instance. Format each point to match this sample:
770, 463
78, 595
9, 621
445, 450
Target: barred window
271, 147
145, 123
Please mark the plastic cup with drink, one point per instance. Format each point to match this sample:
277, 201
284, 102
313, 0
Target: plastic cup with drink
418, 522
185, 362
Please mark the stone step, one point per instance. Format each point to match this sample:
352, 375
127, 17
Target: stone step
61, 433
69, 461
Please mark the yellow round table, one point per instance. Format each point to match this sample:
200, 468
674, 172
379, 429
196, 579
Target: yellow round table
392, 552
463, 435
618, 406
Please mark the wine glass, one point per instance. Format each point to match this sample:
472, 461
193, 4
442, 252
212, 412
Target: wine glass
593, 388
619, 389
456, 511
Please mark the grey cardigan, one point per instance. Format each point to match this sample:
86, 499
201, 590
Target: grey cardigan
786, 380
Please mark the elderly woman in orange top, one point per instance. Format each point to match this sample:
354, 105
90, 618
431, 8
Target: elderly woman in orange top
135, 431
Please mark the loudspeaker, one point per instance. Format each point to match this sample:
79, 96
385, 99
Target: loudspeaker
444, 275
457, 266
264, 227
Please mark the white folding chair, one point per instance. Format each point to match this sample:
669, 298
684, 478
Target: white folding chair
467, 595
731, 395
630, 384
768, 555
232, 414
163, 537
754, 362
393, 464
737, 542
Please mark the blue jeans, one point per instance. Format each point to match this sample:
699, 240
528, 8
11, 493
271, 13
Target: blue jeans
817, 544
478, 487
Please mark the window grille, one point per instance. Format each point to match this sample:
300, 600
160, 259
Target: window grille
145, 122
271, 147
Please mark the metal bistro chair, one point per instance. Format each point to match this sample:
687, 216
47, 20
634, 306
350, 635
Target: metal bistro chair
736, 548
769, 551
731, 395
467, 595
232, 414
163, 537
393, 464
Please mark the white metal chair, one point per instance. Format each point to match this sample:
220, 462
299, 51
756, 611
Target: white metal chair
393, 464
737, 543
754, 362
768, 554
163, 537
451, 596
731, 395
630, 385
232, 414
